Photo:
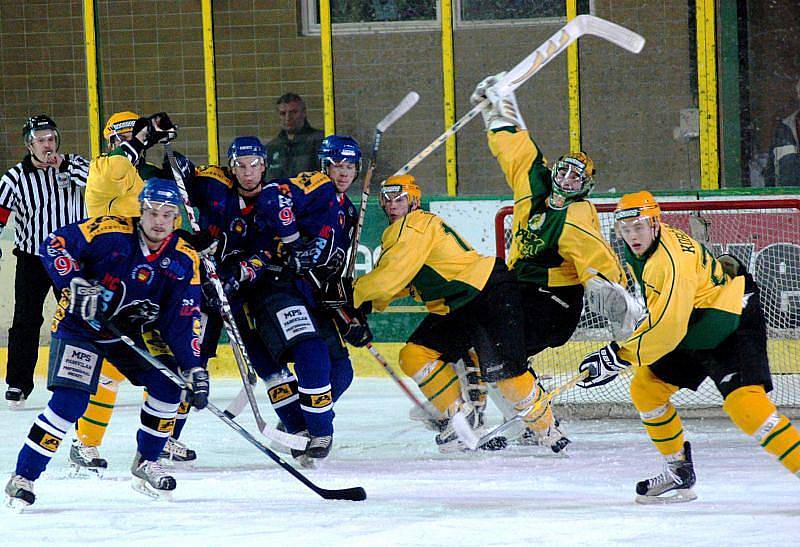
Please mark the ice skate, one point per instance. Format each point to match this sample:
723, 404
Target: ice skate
19, 493
320, 447
426, 416
151, 479
85, 458
674, 485
176, 451
552, 437
15, 398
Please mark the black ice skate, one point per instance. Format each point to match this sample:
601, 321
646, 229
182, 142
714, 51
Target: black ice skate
19, 493
85, 458
151, 479
320, 447
674, 485
176, 451
15, 398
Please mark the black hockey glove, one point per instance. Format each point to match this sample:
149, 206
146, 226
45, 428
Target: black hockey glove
305, 255
353, 326
143, 132
163, 130
84, 299
199, 386
203, 242
336, 293
603, 366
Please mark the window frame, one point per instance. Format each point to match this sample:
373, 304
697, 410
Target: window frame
308, 26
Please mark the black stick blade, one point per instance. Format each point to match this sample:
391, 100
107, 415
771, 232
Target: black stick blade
350, 494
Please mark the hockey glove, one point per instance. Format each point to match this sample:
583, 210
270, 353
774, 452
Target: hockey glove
336, 293
198, 381
305, 255
203, 242
503, 111
143, 132
84, 299
163, 130
623, 311
603, 366
354, 328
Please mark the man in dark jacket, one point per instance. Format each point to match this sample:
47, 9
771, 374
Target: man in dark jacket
294, 150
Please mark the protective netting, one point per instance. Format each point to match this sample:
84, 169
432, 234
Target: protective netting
763, 233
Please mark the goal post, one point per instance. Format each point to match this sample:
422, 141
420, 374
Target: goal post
761, 231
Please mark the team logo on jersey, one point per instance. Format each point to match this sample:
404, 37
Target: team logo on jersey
174, 270
188, 308
143, 273
286, 215
238, 226
341, 218
197, 329
536, 221
165, 262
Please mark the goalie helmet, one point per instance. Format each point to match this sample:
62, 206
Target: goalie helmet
398, 186
338, 148
40, 122
246, 146
119, 124
573, 178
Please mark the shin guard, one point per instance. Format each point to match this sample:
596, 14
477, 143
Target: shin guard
436, 379
752, 411
650, 396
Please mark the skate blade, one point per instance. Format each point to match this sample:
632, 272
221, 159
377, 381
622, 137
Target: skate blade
16, 505
307, 462
16, 405
141, 486
81, 472
678, 496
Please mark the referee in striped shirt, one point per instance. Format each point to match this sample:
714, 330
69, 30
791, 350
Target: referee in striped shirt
44, 191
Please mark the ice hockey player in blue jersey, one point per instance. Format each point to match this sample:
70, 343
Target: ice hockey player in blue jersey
132, 272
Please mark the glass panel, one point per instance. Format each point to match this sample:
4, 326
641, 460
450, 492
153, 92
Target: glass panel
492, 10
372, 11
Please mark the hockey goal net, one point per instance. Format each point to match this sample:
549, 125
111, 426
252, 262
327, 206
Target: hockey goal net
764, 233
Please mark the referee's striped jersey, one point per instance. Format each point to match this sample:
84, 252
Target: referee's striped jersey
40, 202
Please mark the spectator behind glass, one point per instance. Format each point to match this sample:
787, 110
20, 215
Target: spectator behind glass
783, 165
294, 150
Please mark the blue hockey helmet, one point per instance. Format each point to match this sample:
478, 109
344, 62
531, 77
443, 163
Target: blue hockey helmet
246, 146
160, 191
338, 148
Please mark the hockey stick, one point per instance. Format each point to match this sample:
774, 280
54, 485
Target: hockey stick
237, 343
352, 494
400, 110
469, 437
533, 63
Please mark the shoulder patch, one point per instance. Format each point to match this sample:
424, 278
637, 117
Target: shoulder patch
182, 246
310, 181
95, 226
214, 172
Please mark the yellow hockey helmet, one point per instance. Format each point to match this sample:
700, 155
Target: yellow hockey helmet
119, 124
636, 205
400, 185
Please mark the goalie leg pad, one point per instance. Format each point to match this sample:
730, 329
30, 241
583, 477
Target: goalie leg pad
752, 411
91, 427
650, 396
436, 379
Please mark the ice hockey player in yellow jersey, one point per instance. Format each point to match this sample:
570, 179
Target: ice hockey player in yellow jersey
704, 320
557, 250
473, 301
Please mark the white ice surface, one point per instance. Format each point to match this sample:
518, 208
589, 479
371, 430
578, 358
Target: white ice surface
235, 495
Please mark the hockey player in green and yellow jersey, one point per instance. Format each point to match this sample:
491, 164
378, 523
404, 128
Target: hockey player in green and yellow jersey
704, 320
557, 248
473, 301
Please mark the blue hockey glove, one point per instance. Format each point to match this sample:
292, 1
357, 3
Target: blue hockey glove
305, 255
603, 366
84, 299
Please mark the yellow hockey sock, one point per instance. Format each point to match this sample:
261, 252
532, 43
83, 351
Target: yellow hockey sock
436, 379
91, 427
523, 392
752, 411
650, 396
